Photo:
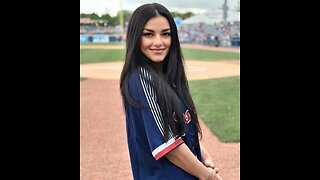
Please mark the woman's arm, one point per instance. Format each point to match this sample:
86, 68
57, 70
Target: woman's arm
182, 157
206, 157
207, 160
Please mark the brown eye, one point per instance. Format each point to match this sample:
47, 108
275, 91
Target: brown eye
147, 34
167, 34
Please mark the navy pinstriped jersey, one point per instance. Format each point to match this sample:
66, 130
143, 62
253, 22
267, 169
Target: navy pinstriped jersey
145, 135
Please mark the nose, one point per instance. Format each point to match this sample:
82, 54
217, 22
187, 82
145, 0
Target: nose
157, 40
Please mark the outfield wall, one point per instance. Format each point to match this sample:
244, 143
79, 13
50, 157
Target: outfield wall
99, 38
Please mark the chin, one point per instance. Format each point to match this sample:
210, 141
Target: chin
157, 59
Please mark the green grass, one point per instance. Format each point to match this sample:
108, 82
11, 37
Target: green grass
218, 105
102, 44
101, 55
110, 55
82, 78
207, 55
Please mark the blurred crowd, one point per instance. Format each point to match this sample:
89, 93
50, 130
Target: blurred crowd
198, 33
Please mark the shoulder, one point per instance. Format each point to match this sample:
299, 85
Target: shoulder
140, 77
139, 73
139, 81
134, 83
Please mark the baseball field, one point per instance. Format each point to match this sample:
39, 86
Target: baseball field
214, 79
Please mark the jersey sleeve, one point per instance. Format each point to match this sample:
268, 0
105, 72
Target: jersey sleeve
153, 121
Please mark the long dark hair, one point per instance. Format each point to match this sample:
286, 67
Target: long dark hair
172, 79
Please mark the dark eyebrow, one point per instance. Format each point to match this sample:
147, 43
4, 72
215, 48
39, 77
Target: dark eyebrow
148, 30
153, 30
166, 30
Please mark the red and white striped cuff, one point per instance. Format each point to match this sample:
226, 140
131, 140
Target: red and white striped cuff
166, 147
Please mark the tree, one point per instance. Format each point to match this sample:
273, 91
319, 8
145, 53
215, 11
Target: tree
126, 16
111, 20
182, 15
187, 15
91, 16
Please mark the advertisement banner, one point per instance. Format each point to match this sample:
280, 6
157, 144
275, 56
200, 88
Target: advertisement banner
84, 38
101, 38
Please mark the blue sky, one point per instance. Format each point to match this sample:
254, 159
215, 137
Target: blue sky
113, 6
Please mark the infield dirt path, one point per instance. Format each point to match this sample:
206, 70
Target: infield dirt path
103, 145
194, 69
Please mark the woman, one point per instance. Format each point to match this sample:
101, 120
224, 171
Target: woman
162, 124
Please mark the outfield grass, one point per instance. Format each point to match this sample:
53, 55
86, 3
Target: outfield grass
82, 78
109, 55
101, 55
218, 105
102, 44
208, 55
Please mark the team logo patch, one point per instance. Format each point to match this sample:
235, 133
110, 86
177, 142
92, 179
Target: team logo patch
187, 117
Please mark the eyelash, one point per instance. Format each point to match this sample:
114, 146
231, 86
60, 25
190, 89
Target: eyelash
150, 34
147, 34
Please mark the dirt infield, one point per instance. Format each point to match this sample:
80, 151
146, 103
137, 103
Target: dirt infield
103, 145
194, 69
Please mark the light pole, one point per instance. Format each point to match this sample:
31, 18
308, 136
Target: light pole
225, 13
121, 19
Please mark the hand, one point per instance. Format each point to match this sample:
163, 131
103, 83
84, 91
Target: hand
218, 177
216, 170
208, 163
214, 174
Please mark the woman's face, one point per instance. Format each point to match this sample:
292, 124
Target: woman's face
156, 39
